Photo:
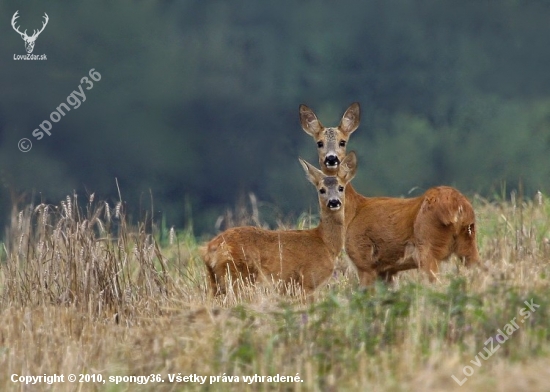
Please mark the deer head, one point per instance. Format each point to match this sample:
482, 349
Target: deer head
29, 41
331, 141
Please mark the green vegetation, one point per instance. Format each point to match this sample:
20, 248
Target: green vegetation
83, 291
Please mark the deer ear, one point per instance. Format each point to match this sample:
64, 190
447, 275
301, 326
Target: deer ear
310, 124
350, 120
313, 174
348, 167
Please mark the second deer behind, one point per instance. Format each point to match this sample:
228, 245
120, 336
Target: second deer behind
387, 235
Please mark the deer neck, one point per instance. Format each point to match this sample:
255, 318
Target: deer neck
352, 203
332, 229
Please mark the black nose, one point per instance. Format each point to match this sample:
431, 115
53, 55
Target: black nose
331, 160
334, 203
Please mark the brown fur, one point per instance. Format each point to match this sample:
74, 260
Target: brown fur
387, 235
303, 257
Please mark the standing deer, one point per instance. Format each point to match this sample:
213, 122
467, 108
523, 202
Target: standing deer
386, 235
29, 41
302, 257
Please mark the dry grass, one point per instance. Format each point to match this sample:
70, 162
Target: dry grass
83, 292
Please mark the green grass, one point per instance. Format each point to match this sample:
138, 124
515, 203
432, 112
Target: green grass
85, 292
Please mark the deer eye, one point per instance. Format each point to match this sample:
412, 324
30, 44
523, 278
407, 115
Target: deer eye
322, 191
342, 143
340, 189
320, 144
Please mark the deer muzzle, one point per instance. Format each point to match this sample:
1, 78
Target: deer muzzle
331, 161
334, 204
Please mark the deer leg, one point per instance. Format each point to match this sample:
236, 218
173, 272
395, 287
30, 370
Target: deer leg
387, 276
213, 282
308, 292
427, 262
430, 266
366, 277
361, 252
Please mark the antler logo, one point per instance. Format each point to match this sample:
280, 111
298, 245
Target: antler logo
29, 41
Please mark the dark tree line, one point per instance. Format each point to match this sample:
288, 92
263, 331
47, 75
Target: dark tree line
198, 100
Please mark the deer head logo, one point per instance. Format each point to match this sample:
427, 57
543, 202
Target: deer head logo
29, 41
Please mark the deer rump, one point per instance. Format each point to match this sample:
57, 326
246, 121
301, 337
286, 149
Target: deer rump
393, 234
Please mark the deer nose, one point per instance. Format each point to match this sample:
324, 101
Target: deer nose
331, 160
334, 203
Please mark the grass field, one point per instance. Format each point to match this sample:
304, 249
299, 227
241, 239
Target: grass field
86, 293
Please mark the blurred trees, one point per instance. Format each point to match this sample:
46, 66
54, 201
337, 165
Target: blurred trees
198, 101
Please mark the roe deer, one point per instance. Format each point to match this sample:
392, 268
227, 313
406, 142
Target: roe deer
386, 235
303, 257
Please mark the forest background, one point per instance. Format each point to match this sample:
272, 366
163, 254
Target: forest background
197, 106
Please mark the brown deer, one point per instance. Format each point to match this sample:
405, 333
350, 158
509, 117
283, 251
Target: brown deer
302, 257
386, 235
